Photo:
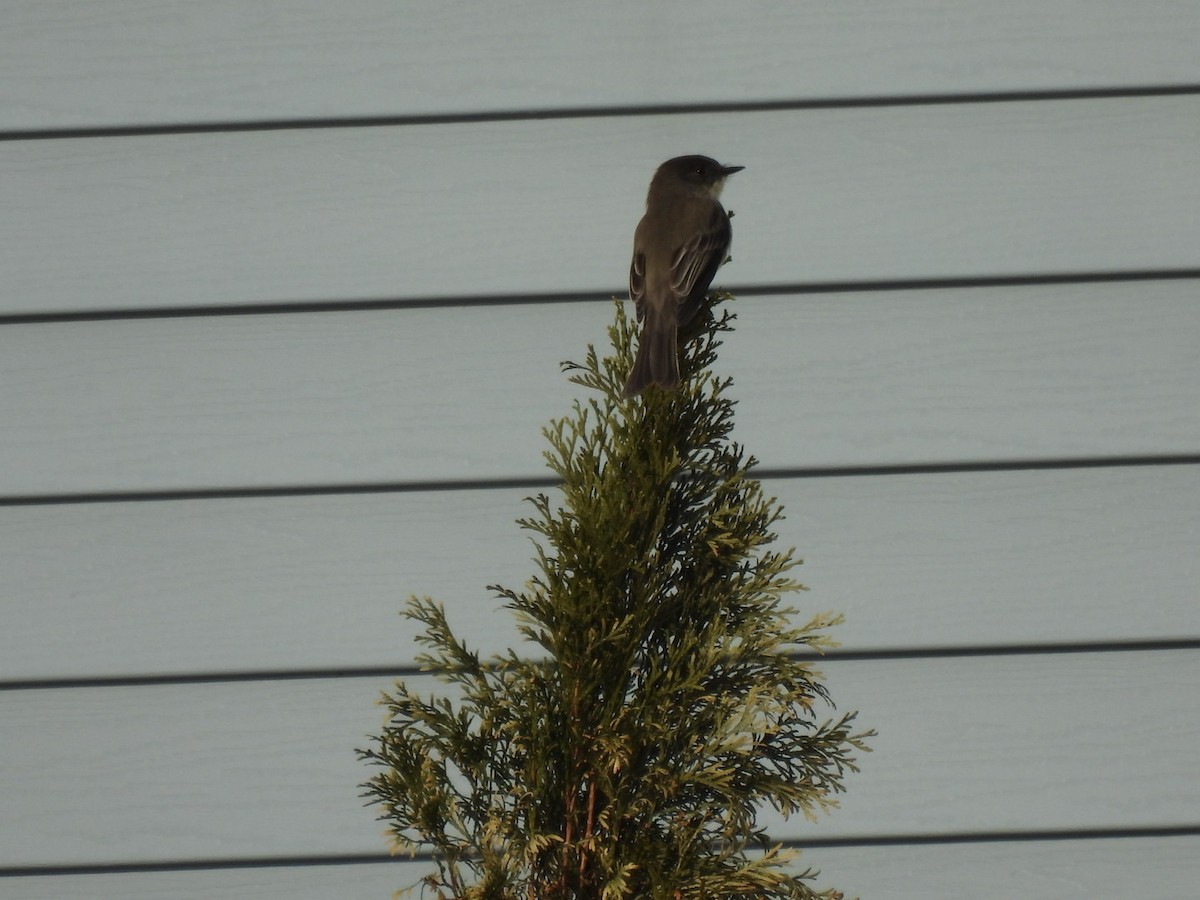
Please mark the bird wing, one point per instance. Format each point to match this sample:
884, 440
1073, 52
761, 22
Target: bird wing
637, 282
695, 263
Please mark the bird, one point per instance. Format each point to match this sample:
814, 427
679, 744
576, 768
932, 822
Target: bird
678, 245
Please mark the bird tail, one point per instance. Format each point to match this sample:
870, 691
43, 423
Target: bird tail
657, 360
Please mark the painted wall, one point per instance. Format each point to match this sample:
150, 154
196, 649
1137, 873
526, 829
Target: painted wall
284, 291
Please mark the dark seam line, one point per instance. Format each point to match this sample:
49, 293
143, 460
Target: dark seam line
628, 110
351, 859
540, 483
411, 671
564, 297
988, 837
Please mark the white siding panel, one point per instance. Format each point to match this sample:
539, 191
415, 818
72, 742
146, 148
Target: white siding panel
258, 769
547, 206
294, 583
468, 194
1050, 870
1158, 868
452, 393
117, 62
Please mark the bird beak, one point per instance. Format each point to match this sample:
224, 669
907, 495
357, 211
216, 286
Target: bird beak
726, 171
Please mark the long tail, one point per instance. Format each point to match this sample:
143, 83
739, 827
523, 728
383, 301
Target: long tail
657, 360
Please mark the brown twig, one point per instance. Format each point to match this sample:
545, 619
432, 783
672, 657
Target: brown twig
591, 824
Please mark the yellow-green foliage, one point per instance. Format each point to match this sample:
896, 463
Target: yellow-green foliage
662, 702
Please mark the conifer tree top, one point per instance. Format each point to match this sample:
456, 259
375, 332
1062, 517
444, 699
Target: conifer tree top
661, 705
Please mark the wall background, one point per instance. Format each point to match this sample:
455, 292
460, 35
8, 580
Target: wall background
284, 291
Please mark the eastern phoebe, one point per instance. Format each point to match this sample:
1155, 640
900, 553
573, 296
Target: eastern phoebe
680, 243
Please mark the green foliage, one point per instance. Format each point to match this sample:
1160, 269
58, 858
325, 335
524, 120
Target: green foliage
666, 706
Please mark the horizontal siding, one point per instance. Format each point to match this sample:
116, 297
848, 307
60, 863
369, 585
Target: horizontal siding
262, 584
1051, 870
462, 392
267, 769
543, 207
79, 63
860, 174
